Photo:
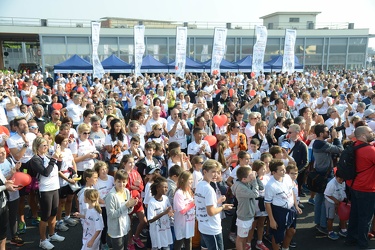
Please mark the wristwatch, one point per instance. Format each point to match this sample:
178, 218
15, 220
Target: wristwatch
25, 145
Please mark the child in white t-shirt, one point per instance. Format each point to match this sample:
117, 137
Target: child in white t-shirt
333, 194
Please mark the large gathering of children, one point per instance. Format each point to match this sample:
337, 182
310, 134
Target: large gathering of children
167, 159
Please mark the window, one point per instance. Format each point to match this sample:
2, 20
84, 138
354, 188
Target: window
294, 19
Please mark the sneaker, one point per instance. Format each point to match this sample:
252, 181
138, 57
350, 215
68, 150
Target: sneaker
261, 246
333, 236
268, 238
138, 242
311, 201
35, 221
70, 222
56, 237
293, 244
131, 247
45, 244
343, 234
17, 241
105, 247
248, 246
322, 229
232, 237
144, 233
60, 226
21, 227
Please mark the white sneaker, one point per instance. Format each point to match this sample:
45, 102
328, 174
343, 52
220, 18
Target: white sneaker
45, 244
70, 222
56, 237
60, 226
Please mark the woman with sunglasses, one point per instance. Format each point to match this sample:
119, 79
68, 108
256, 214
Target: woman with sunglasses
84, 150
237, 140
47, 170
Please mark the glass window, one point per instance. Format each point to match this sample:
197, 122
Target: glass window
107, 46
78, 45
294, 19
358, 45
247, 46
54, 45
126, 48
337, 59
356, 58
156, 47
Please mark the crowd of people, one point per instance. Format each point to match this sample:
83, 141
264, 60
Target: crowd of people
173, 157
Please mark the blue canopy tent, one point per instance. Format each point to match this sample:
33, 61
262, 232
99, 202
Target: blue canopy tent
113, 64
276, 64
190, 66
151, 65
224, 66
73, 64
246, 64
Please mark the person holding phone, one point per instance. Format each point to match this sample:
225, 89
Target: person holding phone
178, 129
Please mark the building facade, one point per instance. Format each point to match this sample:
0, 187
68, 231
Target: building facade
317, 47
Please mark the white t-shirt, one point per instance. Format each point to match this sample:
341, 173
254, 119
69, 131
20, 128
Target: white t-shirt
249, 130
3, 117
6, 169
185, 222
336, 190
17, 142
194, 148
179, 136
280, 193
51, 182
81, 148
160, 230
205, 196
66, 163
75, 112
147, 193
92, 223
197, 177
104, 186
324, 108
161, 121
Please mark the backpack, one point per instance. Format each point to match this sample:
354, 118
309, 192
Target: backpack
346, 168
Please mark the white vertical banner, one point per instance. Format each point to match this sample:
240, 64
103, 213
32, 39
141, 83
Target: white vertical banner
218, 49
288, 58
139, 48
259, 49
181, 42
98, 70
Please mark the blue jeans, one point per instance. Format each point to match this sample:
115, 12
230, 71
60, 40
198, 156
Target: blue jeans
362, 210
320, 210
213, 242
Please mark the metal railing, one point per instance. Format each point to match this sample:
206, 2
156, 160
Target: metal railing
124, 23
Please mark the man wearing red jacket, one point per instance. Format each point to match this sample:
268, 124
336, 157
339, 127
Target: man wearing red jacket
362, 190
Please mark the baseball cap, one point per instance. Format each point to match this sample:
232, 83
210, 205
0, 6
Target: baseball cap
151, 170
368, 112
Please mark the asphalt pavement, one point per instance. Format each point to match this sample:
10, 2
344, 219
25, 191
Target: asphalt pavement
307, 237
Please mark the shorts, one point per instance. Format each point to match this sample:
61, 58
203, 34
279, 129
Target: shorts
4, 220
49, 202
138, 207
65, 191
330, 209
243, 227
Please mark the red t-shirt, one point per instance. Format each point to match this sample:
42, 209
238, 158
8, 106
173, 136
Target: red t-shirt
365, 165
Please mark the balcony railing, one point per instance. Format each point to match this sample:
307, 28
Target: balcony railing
124, 23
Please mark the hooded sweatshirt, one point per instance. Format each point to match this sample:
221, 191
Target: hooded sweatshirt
245, 194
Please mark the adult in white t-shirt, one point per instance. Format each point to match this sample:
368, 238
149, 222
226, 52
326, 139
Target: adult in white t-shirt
156, 119
177, 129
20, 144
323, 103
84, 150
75, 110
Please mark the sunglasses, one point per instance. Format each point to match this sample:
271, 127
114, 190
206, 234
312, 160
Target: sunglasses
33, 127
86, 133
200, 162
158, 129
238, 127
